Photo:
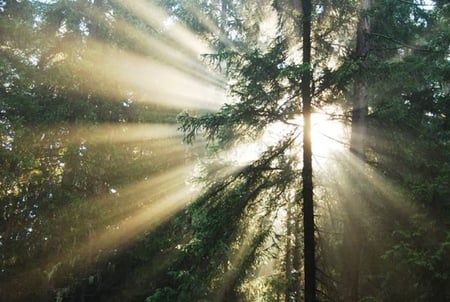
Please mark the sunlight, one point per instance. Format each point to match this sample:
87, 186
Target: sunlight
378, 190
268, 27
252, 225
158, 199
346, 185
153, 80
244, 154
167, 70
328, 135
158, 18
128, 214
127, 132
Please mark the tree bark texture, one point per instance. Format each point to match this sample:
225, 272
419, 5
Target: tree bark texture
307, 192
360, 95
353, 232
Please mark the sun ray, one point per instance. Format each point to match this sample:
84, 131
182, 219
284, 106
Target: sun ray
168, 59
328, 135
157, 17
173, 199
136, 209
125, 133
151, 79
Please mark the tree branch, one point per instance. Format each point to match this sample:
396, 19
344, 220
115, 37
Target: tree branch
413, 47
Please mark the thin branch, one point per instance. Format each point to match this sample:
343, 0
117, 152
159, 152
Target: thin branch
413, 47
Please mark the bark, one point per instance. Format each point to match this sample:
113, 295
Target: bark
296, 259
360, 96
223, 23
308, 208
288, 261
293, 264
353, 231
352, 255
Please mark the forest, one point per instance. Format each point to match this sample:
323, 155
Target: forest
224, 150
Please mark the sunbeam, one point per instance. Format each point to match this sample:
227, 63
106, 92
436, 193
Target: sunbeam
158, 18
133, 211
157, 200
151, 79
329, 137
167, 58
126, 133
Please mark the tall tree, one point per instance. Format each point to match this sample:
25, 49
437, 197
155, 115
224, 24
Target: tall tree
307, 172
353, 232
360, 94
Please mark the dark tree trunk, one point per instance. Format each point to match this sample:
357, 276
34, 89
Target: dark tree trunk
308, 209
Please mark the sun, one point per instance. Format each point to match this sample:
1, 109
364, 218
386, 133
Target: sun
329, 135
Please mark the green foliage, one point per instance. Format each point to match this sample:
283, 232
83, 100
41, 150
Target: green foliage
206, 267
266, 90
420, 252
59, 186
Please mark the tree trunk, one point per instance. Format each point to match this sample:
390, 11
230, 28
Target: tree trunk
360, 96
293, 252
223, 24
352, 243
351, 254
308, 209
